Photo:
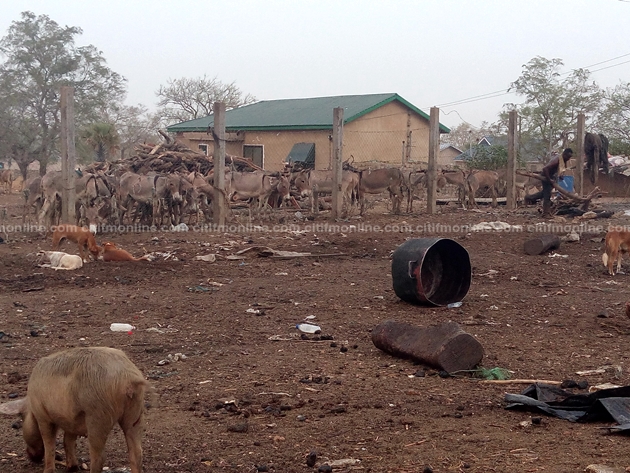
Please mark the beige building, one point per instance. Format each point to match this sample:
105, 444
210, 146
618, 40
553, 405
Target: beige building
378, 128
447, 155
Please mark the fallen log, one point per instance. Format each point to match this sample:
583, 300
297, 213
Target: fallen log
445, 346
541, 244
584, 201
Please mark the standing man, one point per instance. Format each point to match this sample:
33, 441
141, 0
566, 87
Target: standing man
550, 172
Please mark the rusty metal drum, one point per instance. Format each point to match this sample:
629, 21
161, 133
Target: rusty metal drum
431, 271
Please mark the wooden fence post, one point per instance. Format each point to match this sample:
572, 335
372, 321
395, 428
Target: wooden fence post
68, 156
579, 157
511, 162
337, 133
218, 158
434, 149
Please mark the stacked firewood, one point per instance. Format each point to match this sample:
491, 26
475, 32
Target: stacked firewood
168, 157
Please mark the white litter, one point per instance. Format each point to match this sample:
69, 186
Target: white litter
308, 328
496, 226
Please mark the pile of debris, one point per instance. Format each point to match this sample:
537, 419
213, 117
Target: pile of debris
620, 164
168, 157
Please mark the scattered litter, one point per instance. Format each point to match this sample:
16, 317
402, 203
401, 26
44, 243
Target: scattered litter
172, 359
281, 274
210, 258
165, 255
162, 330
254, 311
182, 227
495, 226
598, 406
487, 373
483, 295
557, 255
599, 387
266, 251
309, 317
616, 369
514, 278
121, 327
202, 289
598, 468
214, 283
454, 305
284, 338
344, 462
493, 307
308, 328
490, 273
571, 237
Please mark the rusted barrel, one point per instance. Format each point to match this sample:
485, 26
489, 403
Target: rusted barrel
434, 271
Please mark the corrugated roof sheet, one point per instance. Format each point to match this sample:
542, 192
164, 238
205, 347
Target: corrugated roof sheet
312, 113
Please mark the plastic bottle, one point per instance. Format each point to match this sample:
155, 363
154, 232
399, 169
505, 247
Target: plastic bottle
308, 328
121, 327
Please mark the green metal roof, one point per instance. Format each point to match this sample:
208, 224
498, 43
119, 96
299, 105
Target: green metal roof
298, 114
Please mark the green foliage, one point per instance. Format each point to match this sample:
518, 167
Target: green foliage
552, 103
619, 146
41, 57
489, 158
102, 139
614, 119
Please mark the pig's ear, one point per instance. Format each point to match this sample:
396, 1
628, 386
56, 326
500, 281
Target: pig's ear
13, 408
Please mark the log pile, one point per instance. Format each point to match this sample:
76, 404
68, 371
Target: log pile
569, 199
168, 157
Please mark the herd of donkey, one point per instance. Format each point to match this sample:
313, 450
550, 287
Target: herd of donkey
114, 197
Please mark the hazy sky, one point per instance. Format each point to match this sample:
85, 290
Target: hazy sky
431, 52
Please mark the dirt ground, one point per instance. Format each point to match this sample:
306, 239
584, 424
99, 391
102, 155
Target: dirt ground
252, 396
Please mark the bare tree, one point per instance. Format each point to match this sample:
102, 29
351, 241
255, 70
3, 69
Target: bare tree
186, 99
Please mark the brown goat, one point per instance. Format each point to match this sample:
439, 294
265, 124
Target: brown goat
83, 391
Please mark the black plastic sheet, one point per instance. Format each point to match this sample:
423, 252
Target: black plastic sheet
605, 405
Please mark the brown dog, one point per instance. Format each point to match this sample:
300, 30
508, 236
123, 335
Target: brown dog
81, 236
112, 253
617, 242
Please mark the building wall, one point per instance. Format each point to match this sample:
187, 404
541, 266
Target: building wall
378, 137
447, 156
381, 136
233, 145
278, 144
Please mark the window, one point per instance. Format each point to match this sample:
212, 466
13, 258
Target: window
256, 153
204, 149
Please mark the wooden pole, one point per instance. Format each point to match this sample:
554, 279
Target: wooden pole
511, 161
579, 156
68, 156
220, 201
337, 196
434, 148
407, 154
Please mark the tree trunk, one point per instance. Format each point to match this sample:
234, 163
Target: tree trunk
43, 165
445, 346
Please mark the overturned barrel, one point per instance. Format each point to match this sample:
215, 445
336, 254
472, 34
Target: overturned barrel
433, 271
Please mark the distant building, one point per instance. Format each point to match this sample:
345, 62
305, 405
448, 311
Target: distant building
531, 159
377, 128
447, 155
